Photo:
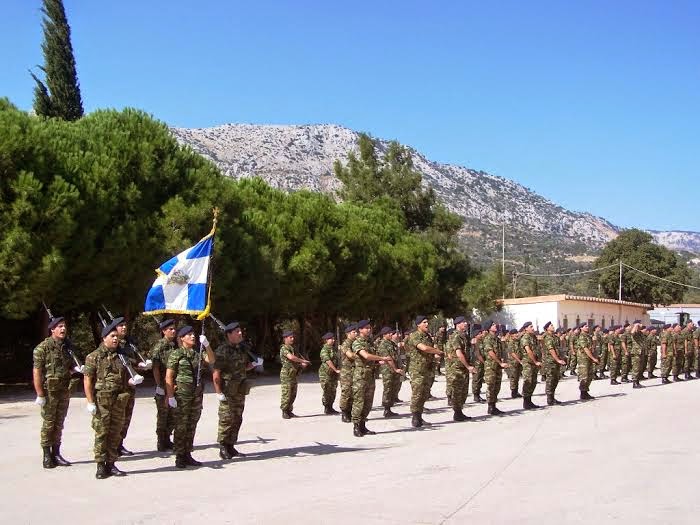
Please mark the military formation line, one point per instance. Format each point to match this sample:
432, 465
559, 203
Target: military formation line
110, 374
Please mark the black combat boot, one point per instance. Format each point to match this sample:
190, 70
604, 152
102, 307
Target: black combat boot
114, 471
332, 411
397, 400
550, 400
161, 445
123, 451
286, 414
102, 470
365, 430
528, 404
637, 384
180, 461
58, 459
346, 417
168, 443
356, 430
688, 376
624, 379
514, 394
328, 410
232, 451
191, 461
460, 416
652, 376
614, 381
224, 452
478, 398
416, 420
603, 376
585, 396
389, 413
676, 378
665, 381
494, 411
49, 461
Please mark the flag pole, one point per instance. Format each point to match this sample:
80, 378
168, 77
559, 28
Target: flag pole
207, 309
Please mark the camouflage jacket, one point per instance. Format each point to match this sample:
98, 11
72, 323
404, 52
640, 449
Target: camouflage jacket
457, 341
232, 361
328, 353
159, 355
184, 362
345, 361
359, 344
107, 370
528, 339
287, 364
550, 342
584, 341
54, 361
418, 358
491, 344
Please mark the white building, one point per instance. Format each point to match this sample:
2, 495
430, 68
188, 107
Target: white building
566, 311
672, 313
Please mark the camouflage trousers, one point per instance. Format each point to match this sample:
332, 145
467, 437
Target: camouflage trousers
651, 360
128, 412
329, 388
637, 365
492, 376
362, 393
678, 362
53, 414
449, 377
573, 360
107, 423
420, 389
478, 378
604, 360
187, 414
165, 417
288, 384
346, 388
431, 376
231, 412
689, 361
460, 385
614, 359
514, 372
584, 372
645, 358
626, 364
666, 364
391, 383
553, 375
529, 377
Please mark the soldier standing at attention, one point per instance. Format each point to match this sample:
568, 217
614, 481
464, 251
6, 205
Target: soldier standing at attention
493, 367
53, 365
626, 359
696, 346
552, 362
597, 336
422, 352
391, 375
106, 387
571, 343
165, 419
645, 348
653, 352
346, 370
666, 342
614, 353
637, 341
689, 349
397, 341
457, 359
184, 393
229, 376
585, 361
678, 346
328, 374
363, 378
515, 362
478, 374
291, 365
531, 362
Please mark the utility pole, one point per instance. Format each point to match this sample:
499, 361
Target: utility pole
503, 259
619, 290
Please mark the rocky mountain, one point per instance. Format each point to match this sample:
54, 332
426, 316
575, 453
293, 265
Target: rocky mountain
679, 241
295, 157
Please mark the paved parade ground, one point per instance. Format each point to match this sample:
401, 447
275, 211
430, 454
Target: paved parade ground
629, 456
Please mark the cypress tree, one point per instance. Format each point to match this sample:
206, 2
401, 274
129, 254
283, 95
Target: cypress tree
60, 95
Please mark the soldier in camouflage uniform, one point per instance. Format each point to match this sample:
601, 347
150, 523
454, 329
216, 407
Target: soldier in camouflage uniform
637, 342
165, 419
597, 337
604, 354
422, 352
106, 385
571, 344
292, 364
346, 371
531, 362
391, 375
653, 352
229, 374
645, 348
689, 350
614, 353
328, 373
363, 379
626, 359
493, 367
552, 362
666, 342
397, 340
478, 362
185, 391
586, 360
458, 367
515, 362
53, 365
678, 343
696, 346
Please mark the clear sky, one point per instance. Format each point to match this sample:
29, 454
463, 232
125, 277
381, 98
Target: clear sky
594, 104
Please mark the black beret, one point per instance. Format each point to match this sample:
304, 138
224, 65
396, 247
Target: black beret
420, 319
637, 321
118, 320
581, 325
512, 331
549, 323
626, 325
108, 329
487, 325
459, 319
596, 326
184, 330
164, 324
477, 328
349, 328
667, 326
386, 330
362, 324
231, 326
53, 322
287, 333
327, 335
526, 325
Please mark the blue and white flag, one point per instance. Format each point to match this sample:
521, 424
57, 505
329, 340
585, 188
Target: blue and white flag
182, 286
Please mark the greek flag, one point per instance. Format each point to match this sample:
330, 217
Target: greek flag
182, 286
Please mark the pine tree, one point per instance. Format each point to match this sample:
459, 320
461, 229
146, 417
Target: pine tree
59, 96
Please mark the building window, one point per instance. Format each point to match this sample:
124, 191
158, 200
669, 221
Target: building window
578, 320
591, 322
612, 321
602, 323
565, 323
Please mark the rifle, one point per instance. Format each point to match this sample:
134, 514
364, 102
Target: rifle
148, 364
254, 358
68, 345
136, 379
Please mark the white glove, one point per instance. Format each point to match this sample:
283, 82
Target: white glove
203, 340
136, 380
259, 362
92, 408
221, 397
143, 366
160, 391
172, 402
149, 363
80, 369
41, 401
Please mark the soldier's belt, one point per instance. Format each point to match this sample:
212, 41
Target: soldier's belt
56, 383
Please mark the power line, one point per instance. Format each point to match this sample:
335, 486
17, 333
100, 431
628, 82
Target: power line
660, 278
565, 274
